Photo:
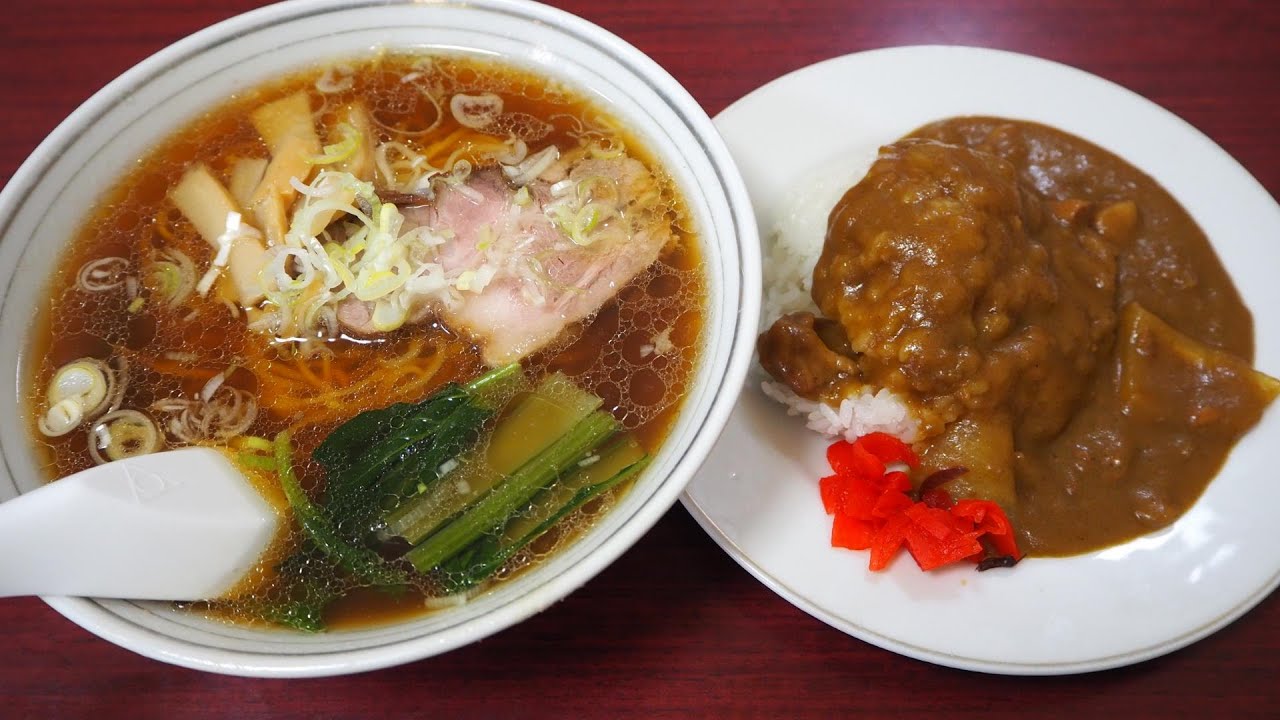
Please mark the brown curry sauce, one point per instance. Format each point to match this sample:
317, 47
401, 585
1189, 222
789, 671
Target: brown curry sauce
1057, 321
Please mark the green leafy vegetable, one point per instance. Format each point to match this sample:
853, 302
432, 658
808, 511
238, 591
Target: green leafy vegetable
421, 466
492, 510
380, 456
420, 424
534, 424
308, 590
414, 470
361, 562
615, 465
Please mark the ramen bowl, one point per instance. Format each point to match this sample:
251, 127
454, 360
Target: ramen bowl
42, 209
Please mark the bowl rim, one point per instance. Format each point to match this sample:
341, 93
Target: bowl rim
95, 618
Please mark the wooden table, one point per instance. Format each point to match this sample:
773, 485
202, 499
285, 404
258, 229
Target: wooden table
675, 627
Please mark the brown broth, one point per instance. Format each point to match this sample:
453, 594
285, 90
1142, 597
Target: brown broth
174, 352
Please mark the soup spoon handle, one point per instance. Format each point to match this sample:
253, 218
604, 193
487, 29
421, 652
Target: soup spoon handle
176, 525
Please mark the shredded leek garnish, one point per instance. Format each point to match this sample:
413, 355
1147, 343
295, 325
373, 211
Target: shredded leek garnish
341, 150
475, 111
336, 79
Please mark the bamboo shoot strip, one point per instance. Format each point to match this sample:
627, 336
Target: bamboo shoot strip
206, 204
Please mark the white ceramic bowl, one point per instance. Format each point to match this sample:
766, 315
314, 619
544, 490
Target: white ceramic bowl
42, 207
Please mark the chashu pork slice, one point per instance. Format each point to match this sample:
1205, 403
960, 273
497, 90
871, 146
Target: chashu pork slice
519, 278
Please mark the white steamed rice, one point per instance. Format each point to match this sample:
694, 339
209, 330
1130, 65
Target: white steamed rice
857, 415
790, 252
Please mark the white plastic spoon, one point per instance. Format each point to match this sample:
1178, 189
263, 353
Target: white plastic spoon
177, 525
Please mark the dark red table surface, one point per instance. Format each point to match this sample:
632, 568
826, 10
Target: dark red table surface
675, 627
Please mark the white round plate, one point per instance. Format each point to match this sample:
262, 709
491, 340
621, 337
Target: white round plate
799, 142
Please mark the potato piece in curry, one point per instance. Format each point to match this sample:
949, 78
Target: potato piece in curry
1057, 323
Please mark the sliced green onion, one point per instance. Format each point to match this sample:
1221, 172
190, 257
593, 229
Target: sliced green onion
255, 461
598, 188
254, 443
341, 150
